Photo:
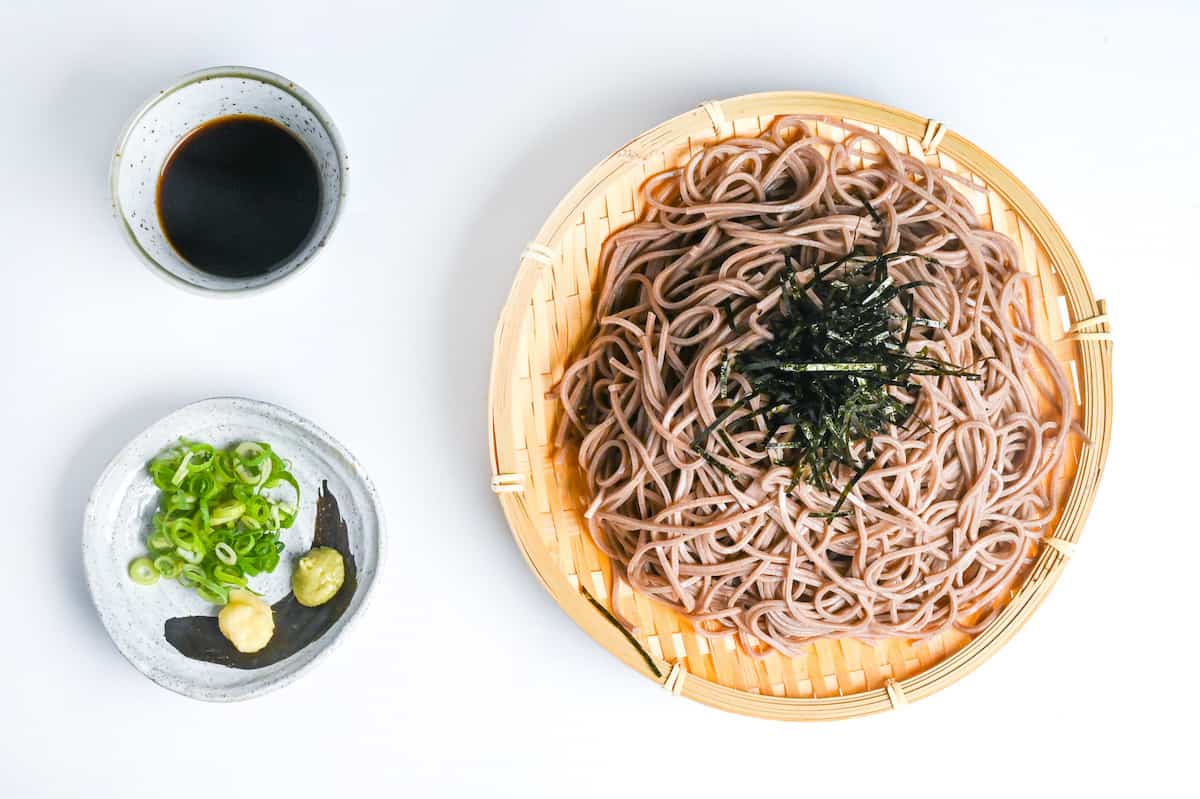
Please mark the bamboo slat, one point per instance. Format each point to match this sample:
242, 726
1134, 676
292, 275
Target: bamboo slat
549, 309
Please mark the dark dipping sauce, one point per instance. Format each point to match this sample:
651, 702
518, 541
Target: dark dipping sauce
238, 196
296, 626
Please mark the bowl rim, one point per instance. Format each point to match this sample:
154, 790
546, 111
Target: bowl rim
335, 637
707, 122
231, 71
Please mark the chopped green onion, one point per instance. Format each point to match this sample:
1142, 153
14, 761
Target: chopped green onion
225, 553
142, 572
189, 555
228, 576
219, 518
181, 472
167, 566
226, 513
190, 575
250, 453
211, 592
254, 463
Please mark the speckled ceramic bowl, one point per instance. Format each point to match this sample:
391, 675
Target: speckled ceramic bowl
123, 503
193, 100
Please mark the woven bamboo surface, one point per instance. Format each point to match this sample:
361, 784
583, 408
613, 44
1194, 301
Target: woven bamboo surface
550, 309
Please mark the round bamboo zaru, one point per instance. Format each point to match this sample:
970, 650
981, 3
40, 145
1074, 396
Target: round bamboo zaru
549, 311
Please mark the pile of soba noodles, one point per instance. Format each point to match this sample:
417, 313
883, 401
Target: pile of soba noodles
947, 514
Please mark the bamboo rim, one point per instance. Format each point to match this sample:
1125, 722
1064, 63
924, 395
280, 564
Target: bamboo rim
1074, 321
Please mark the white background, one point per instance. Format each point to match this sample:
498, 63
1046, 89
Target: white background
465, 125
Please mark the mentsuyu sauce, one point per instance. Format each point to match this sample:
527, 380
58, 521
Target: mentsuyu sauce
238, 196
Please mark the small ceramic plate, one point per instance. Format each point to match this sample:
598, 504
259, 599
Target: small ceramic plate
122, 506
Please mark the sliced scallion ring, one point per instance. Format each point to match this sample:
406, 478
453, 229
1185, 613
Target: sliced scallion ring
168, 566
226, 513
228, 575
189, 555
182, 471
250, 453
190, 575
253, 463
142, 571
225, 553
211, 592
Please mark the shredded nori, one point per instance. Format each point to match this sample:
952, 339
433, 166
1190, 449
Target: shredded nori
824, 379
870, 209
723, 387
641, 650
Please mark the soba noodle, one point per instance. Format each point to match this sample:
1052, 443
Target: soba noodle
944, 520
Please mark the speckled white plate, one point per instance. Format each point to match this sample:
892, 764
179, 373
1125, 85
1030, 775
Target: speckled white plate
119, 514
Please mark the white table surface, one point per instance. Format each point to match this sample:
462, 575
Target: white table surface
465, 125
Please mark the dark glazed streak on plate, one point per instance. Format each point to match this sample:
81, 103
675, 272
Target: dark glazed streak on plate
296, 626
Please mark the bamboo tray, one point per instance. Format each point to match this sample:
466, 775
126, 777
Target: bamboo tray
550, 309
